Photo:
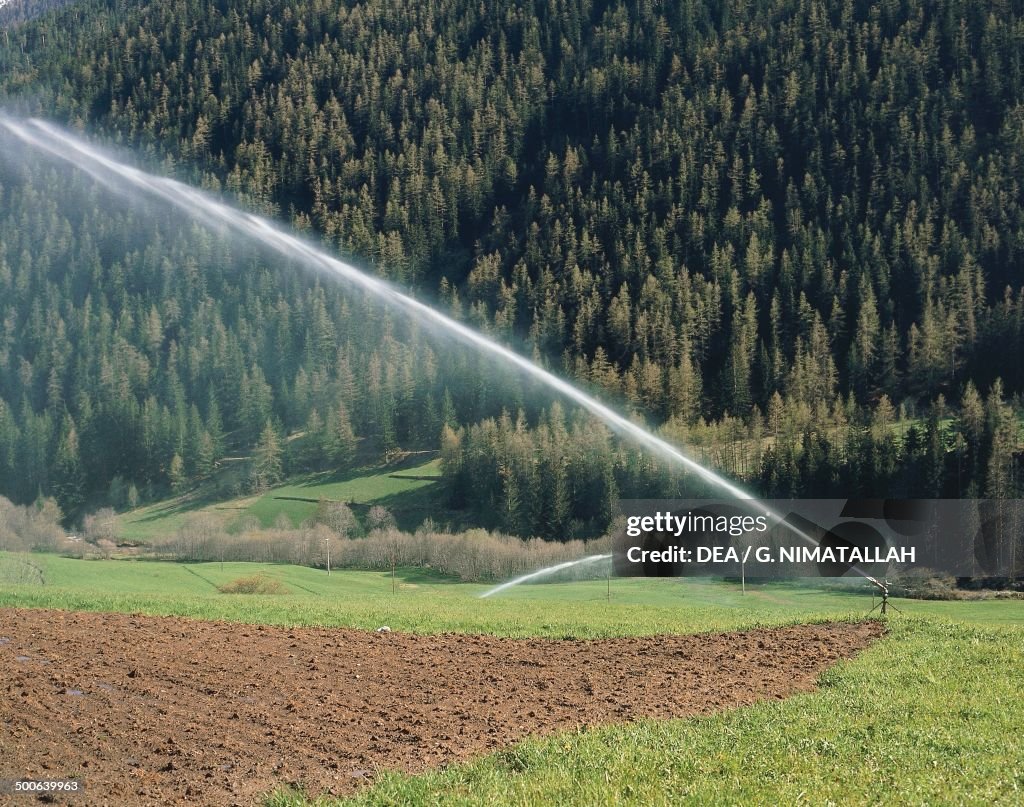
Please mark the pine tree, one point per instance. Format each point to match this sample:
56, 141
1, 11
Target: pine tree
341, 439
69, 476
133, 496
511, 508
177, 476
206, 456
864, 348
1002, 428
267, 468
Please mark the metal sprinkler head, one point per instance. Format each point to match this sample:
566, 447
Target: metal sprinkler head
883, 604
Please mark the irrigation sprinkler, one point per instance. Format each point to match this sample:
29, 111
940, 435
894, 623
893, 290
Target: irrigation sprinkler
883, 604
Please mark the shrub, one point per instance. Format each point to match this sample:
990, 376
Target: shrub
338, 517
100, 526
474, 555
378, 518
20, 570
32, 528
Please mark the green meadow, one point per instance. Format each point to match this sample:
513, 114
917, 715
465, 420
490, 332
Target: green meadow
405, 490
928, 715
419, 601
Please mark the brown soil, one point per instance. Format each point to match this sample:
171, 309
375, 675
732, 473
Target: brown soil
152, 710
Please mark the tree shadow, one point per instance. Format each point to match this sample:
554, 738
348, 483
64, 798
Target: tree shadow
336, 476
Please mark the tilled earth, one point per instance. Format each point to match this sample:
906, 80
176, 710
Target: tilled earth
148, 710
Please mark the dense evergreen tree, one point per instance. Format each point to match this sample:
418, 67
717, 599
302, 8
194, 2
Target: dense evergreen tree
267, 466
790, 233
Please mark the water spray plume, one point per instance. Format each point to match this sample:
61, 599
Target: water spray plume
122, 178
205, 209
544, 573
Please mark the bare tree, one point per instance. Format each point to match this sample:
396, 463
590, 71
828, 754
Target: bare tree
379, 519
100, 526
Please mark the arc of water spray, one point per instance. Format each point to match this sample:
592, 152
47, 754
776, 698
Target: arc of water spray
120, 178
198, 205
543, 573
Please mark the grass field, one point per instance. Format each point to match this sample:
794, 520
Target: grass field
408, 498
928, 715
422, 602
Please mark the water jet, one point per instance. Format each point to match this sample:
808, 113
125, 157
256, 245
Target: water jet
123, 178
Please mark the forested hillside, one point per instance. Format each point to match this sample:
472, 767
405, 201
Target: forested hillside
777, 229
13, 12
